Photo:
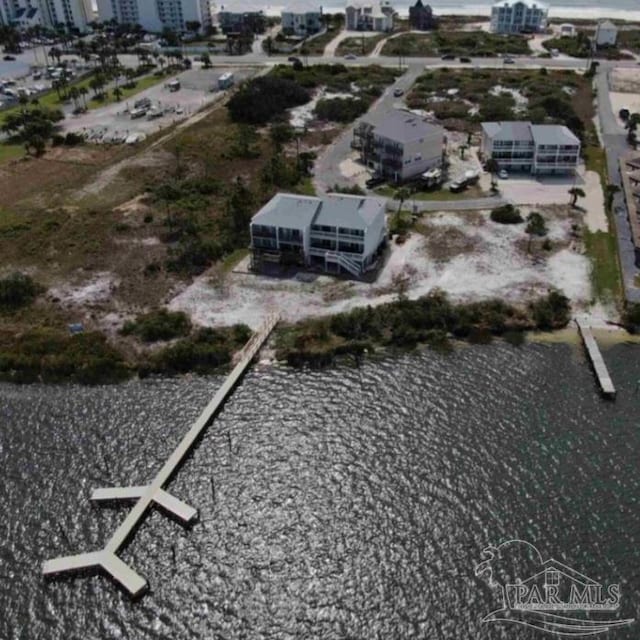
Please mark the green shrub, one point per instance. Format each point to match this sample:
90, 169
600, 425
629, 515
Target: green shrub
507, 214
203, 352
52, 356
631, 317
536, 225
340, 109
17, 290
158, 325
551, 312
263, 98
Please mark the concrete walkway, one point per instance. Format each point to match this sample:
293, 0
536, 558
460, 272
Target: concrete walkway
331, 48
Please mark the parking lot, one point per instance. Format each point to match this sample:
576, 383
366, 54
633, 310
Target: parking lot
113, 123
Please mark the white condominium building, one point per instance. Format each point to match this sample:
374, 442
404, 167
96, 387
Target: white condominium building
301, 23
156, 15
518, 17
71, 14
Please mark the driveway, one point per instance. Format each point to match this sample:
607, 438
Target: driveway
327, 171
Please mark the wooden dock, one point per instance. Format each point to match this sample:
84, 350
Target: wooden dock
146, 496
599, 366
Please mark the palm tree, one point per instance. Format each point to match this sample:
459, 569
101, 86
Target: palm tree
84, 92
575, 193
74, 94
117, 94
492, 166
463, 148
401, 195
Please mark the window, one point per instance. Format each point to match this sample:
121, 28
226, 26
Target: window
552, 578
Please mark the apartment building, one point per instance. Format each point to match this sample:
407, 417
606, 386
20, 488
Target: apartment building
242, 22
399, 145
156, 15
303, 23
337, 233
518, 17
71, 14
534, 148
368, 17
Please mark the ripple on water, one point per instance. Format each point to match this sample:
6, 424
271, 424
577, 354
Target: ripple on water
347, 502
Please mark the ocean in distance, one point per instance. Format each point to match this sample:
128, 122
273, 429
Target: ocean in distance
570, 9
339, 503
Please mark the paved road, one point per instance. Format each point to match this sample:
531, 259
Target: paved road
449, 205
614, 140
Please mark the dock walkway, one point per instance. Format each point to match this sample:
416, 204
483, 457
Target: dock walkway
146, 496
599, 366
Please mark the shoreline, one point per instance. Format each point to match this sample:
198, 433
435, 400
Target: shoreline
484, 10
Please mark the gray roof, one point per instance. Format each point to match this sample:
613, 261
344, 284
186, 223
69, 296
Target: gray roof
288, 210
403, 126
525, 131
553, 134
508, 130
355, 212
607, 24
291, 211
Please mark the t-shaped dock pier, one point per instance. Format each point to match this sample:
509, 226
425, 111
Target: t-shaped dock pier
148, 495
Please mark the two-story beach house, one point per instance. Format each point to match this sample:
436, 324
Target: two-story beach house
364, 16
301, 23
399, 145
337, 233
534, 148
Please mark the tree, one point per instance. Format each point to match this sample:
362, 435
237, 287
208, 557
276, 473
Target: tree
401, 195
117, 94
492, 166
35, 143
280, 133
206, 61
575, 193
536, 226
463, 148
610, 191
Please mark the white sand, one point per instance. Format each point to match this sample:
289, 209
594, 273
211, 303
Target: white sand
496, 266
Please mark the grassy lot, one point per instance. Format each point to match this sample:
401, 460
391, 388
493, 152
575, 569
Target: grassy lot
445, 195
316, 46
605, 275
461, 43
10, 152
629, 40
580, 46
359, 46
552, 96
601, 246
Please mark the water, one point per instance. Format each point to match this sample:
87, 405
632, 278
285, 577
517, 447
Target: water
576, 9
349, 503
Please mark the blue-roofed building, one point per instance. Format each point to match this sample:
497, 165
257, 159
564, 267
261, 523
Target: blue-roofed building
337, 233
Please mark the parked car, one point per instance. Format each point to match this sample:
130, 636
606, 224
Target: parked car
457, 186
398, 92
9, 58
503, 174
448, 56
293, 59
375, 181
508, 60
351, 56
465, 59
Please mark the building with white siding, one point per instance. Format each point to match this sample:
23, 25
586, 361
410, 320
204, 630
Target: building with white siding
72, 14
518, 17
156, 15
301, 23
337, 233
